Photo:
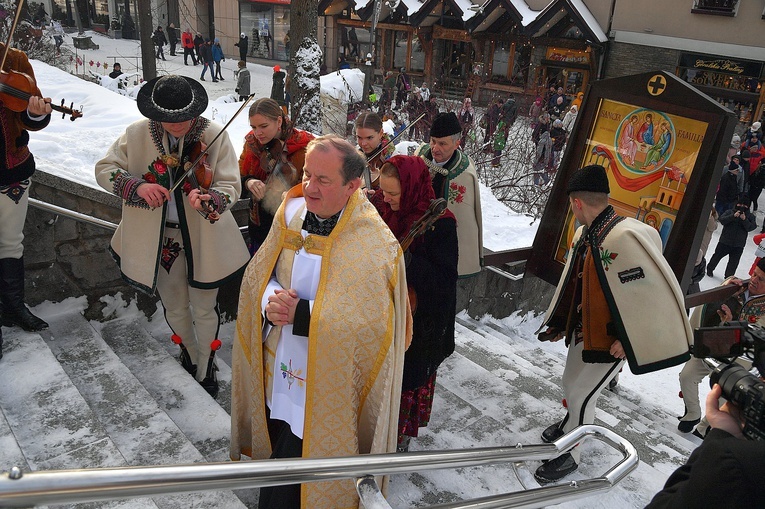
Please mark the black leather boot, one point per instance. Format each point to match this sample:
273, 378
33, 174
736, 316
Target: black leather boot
15, 312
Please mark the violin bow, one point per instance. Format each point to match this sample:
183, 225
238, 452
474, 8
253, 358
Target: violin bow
367, 175
186, 173
10, 34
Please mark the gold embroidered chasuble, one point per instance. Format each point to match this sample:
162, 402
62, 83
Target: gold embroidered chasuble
360, 323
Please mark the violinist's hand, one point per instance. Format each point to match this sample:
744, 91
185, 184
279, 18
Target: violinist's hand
39, 106
257, 189
280, 309
153, 194
725, 314
196, 198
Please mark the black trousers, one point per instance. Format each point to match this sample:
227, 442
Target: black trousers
733, 254
287, 445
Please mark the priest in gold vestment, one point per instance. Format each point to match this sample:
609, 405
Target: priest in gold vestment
321, 332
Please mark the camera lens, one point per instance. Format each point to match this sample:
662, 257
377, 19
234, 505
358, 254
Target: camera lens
735, 382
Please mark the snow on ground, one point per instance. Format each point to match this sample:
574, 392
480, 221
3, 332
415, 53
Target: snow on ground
71, 149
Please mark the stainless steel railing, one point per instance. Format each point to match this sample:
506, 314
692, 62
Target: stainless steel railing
83, 218
55, 209
19, 489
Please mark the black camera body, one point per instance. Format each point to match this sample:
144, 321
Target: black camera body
725, 344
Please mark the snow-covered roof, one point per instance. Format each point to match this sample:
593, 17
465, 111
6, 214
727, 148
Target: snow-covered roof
345, 85
589, 19
484, 13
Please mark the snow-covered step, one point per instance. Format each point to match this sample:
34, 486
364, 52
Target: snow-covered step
161, 332
192, 409
140, 429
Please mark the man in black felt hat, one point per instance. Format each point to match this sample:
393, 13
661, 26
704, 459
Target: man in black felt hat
183, 242
617, 300
455, 180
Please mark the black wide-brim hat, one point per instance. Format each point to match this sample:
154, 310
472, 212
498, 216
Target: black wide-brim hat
172, 98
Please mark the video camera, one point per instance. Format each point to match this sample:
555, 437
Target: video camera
724, 344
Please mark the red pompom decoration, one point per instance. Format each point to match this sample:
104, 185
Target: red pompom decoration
176, 339
215, 345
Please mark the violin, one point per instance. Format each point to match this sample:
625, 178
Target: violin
16, 88
435, 211
199, 175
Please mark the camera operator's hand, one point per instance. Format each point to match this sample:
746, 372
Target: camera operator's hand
737, 214
726, 418
725, 313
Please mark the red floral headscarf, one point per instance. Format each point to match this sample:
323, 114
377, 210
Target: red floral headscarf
416, 195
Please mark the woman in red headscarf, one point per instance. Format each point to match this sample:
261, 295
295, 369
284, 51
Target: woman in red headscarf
431, 271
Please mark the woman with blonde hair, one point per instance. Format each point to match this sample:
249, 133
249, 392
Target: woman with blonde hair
270, 164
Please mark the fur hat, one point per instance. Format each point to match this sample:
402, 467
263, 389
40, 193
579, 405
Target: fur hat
445, 124
172, 98
591, 178
756, 126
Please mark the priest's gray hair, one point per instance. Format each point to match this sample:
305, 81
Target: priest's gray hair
353, 162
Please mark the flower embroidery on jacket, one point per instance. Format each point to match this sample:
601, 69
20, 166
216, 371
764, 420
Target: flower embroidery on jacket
159, 170
292, 374
607, 257
170, 251
456, 192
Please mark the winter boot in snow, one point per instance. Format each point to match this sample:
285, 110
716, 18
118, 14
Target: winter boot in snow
15, 312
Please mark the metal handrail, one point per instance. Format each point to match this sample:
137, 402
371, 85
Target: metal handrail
83, 218
19, 489
78, 216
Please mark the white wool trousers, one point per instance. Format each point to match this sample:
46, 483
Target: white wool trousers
12, 217
192, 313
582, 386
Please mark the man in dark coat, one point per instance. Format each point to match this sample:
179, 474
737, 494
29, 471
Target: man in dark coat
728, 191
160, 41
199, 41
172, 38
737, 223
242, 44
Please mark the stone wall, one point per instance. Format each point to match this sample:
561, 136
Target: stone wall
626, 59
67, 258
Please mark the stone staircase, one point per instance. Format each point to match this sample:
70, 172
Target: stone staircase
87, 394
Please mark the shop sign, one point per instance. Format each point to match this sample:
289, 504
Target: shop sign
570, 56
723, 65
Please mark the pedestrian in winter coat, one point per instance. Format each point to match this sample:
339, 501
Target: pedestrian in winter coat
534, 111
490, 124
159, 42
217, 54
727, 192
242, 45
199, 41
756, 185
187, 42
466, 116
403, 86
172, 38
243, 81
570, 118
737, 223
205, 53
558, 138
277, 88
